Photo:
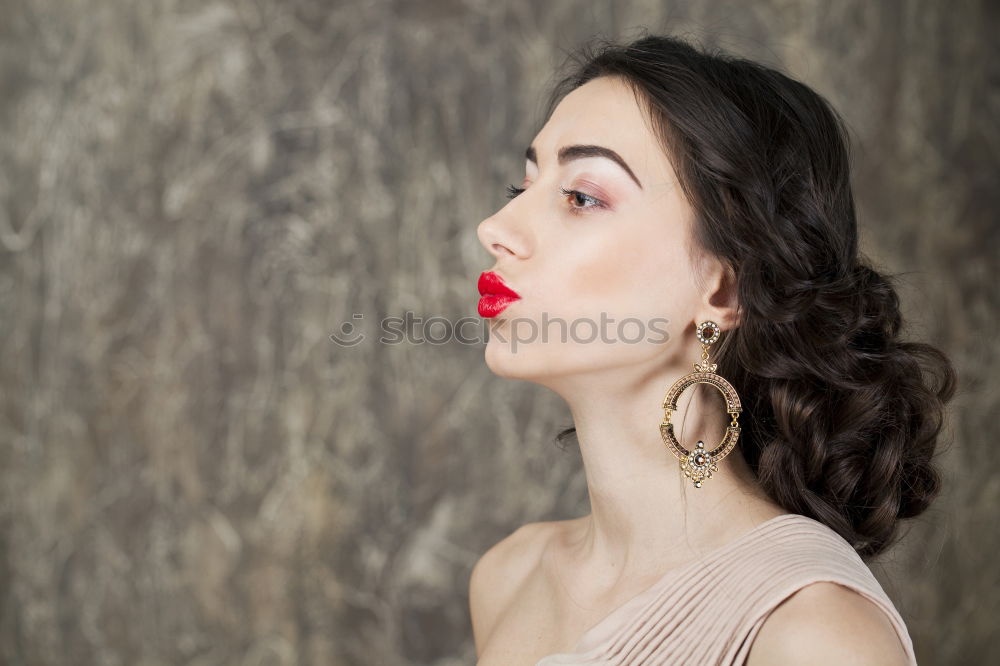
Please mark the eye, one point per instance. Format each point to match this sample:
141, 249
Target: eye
579, 201
513, 191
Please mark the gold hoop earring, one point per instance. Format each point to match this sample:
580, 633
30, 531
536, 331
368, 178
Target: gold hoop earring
699, 463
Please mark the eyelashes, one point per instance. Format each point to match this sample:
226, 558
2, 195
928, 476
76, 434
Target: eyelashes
577, 197
513, 191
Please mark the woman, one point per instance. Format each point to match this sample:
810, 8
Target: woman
743, 466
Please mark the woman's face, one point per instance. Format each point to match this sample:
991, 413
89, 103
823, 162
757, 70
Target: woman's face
609, 259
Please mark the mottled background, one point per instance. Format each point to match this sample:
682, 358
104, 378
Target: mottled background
195, 194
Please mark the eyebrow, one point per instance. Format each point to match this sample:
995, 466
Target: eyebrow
576, 152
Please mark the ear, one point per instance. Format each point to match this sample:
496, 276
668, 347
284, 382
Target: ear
720, 300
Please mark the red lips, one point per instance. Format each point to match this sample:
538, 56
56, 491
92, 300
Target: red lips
495, 295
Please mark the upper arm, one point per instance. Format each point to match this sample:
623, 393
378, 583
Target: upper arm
494, 579
827, 624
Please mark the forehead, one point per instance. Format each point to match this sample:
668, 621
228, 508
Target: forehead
604, 111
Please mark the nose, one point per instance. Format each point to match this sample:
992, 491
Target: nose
501, 237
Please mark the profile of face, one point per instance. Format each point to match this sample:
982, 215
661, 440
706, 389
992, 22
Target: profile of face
599, 238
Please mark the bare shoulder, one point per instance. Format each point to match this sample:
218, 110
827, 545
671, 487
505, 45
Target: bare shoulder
499, 572
827, 623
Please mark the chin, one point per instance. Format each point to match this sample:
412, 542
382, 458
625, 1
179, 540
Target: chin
529, 362
504, 362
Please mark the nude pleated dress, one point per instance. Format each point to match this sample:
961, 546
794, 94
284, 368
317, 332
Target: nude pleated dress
709, 611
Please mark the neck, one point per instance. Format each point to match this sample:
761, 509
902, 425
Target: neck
644, 511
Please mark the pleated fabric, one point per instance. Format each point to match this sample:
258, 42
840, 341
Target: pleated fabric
709, 611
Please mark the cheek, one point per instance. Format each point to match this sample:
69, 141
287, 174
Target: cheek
636, 274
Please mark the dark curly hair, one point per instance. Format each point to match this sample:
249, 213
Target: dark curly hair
844, 415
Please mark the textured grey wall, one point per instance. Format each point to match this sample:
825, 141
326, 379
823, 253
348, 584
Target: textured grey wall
195, 194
